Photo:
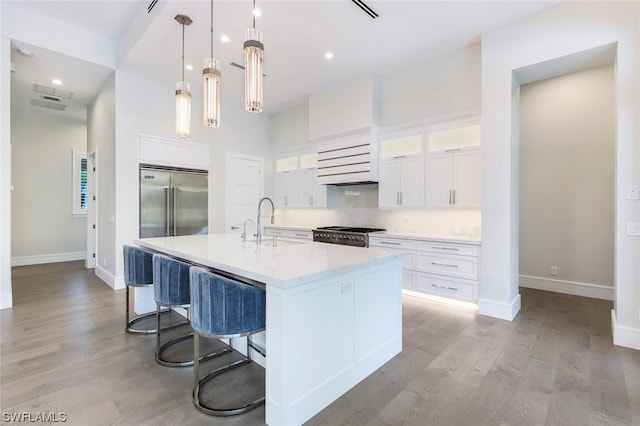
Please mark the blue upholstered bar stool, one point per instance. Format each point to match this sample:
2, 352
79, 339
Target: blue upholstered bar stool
171, 283
227, 309
138, 272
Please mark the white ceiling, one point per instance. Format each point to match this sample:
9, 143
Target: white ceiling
297, 34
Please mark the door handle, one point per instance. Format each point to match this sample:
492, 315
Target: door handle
168, 209
175, 204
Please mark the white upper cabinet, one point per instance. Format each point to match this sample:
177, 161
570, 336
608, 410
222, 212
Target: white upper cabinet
312, 193
402, 173
286, 182
296, 182
454, 168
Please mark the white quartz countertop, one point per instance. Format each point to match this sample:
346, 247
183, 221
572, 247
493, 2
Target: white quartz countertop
291, 263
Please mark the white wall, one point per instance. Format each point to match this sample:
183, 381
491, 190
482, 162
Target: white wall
101, 139
545, 36
567, 170
5, 172
42, 176
290, 128
447, 84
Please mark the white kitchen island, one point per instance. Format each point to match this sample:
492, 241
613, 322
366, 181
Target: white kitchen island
334, 313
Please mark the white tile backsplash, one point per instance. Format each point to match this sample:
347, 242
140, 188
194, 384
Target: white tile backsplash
358, 206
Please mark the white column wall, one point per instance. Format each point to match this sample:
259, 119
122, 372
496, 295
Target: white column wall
6, 300
562, 30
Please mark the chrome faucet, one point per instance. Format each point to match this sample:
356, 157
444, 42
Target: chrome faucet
244, 230
273, 218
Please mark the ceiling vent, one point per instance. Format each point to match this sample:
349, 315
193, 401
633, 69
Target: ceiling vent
50, 98
52, 91
47, 104
234, 64
366, 9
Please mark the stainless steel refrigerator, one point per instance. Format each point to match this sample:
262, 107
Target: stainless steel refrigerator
173, 202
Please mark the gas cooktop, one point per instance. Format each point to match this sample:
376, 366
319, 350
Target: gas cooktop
345, 235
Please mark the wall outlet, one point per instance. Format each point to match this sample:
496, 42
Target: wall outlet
554, 270
633, 229
347, 287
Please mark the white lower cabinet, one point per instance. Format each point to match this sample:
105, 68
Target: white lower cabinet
441, 268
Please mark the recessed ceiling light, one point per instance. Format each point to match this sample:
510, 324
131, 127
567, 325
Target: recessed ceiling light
257, 12
57, 82
188, 67
224, 38
328, 55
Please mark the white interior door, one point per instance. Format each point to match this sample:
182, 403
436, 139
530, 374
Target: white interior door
244, 187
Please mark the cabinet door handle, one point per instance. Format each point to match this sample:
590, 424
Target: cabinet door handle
444, 248
286, 200
390, 243
400, 156
452, 150
301, 235
448, 265
400, 197
444, 287
397, 198
310, 200
449, 197
454, 196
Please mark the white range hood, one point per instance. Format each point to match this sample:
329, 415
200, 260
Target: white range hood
349, 161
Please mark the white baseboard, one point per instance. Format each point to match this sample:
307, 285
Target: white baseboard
495, 309
112, 281
594, 291
624, 336
47, 258
6, 300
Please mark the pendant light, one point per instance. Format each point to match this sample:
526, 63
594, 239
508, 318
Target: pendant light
253, 68
183, 95
211, 86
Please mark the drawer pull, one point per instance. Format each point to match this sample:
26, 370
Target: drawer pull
390, 243
444, 287
444, 264
301, 235
444, 248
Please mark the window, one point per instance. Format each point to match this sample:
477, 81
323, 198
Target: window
79, 186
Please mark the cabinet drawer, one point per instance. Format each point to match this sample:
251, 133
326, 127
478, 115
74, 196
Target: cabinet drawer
392, 243
448, 248
408, 257
441, 286
454, 266
288, 233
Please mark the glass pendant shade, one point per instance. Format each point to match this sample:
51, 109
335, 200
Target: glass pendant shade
253, 71
183, 110
211, 92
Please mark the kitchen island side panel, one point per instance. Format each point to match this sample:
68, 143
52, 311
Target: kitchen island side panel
325, 337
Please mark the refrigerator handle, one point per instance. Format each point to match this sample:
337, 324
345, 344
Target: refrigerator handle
166, 212
174, 209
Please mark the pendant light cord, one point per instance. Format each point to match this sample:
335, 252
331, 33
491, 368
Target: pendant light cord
183, 50
253, 13
212, 29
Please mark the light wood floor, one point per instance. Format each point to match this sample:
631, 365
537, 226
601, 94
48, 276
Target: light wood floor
64, 350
